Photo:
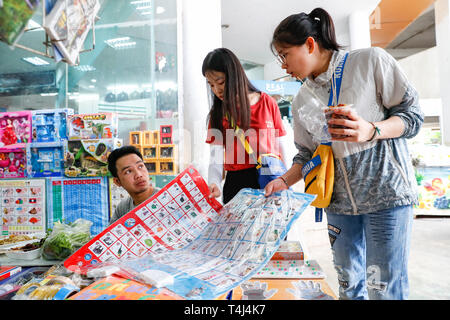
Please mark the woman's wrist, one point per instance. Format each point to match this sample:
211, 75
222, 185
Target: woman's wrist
376, 131
284, 180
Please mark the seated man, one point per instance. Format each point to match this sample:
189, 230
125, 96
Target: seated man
129, 172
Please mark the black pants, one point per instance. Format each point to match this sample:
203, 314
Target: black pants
237, 180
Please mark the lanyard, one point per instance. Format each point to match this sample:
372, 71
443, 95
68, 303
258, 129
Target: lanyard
336, 81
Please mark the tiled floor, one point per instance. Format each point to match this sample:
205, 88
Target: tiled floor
429, 262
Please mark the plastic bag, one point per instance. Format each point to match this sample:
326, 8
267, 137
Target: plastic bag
229, 250
65, 239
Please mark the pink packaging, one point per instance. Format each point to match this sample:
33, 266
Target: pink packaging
13, 161
15, 128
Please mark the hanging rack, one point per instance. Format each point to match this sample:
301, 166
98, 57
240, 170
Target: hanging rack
49, 42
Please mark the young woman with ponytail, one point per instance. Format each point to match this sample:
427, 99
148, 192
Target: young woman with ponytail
370, 213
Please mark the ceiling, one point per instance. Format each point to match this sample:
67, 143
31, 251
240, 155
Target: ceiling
252, 22
402, 27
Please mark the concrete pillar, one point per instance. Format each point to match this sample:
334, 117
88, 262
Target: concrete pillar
201, 32
359, 30
442, 12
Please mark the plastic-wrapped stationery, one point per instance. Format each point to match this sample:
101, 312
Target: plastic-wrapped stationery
232, 245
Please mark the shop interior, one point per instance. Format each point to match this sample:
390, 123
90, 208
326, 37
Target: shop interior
61, 114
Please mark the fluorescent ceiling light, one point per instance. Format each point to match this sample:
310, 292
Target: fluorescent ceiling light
49, 94
85, 68
36, 61
143, 7
160, 10
141, 2
121, 43
93, 80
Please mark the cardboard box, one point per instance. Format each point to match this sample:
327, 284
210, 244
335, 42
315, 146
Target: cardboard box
289, 250
13, 161
15, 127
8, 271
45, 159
50, 125
102, 125
88, 158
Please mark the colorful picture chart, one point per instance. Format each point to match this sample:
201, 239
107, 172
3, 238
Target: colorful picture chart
72, 198
117, 288
232, 248
171, 219
22, 206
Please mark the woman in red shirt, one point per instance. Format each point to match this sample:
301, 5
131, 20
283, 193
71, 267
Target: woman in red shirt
234, 100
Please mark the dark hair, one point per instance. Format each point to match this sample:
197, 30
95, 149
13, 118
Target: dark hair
295, 29
237, 87
119, 153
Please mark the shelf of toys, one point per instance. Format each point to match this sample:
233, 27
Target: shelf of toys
51, 161
158, 151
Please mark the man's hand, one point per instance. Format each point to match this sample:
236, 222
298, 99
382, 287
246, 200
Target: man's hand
214, 191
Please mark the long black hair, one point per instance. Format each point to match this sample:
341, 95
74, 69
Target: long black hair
295, 29
237, 87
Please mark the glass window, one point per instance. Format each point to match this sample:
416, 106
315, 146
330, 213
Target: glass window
131, 68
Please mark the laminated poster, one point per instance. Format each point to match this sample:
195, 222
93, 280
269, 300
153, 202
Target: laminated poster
22, 206
72, 198
198, 247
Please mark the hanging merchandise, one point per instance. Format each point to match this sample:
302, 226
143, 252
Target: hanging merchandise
14, 17
200, 249
22, 206
72, 199
68, 25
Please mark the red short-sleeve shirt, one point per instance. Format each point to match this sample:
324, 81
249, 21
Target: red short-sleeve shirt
265, 126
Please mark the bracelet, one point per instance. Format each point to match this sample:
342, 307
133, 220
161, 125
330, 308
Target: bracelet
284, 180
376, 130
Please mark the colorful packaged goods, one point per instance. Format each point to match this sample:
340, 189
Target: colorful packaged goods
50, 125
93, 126
15, 127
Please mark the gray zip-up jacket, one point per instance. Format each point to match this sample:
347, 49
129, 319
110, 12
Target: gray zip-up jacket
369, 176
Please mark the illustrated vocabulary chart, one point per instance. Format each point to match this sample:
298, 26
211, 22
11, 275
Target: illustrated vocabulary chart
74, 198
171, 219
22, 206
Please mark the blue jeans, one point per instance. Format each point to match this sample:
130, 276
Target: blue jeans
370, 253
